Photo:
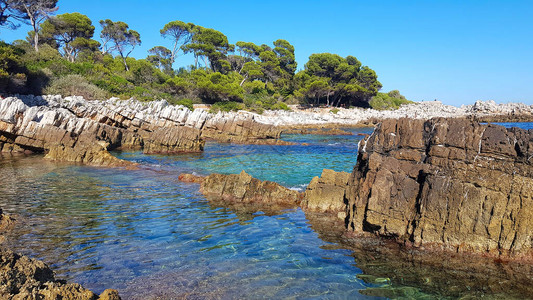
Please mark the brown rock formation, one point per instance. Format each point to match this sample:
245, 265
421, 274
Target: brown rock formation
327, 193
25, 278
244, 188
446, 183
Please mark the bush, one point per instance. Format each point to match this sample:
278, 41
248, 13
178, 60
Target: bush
260, 102
334, 110
75, 85
216, 87
391, 100
226, 106
185, 102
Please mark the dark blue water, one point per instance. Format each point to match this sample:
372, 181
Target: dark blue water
149, 235
522, 125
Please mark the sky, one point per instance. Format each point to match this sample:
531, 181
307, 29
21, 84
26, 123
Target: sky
454, 51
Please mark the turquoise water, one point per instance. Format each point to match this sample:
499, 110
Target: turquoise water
148, 235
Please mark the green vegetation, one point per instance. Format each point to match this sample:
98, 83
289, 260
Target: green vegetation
390, 100
62, 56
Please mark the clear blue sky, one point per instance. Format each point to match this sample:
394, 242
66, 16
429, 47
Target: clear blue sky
453, 51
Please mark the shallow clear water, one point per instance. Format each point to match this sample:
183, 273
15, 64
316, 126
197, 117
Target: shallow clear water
146, 234
143, 230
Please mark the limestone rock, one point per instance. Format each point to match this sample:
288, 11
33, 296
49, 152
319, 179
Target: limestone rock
327, 193
446, 183
73, 129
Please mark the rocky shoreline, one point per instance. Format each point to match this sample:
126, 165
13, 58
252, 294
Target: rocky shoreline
76, 130
430, 177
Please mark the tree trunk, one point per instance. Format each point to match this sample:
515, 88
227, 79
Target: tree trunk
205, 62
173, 56
125, 63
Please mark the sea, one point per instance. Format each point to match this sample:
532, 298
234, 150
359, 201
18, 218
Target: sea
150, 236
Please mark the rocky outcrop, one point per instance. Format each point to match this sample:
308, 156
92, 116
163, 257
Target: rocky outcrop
243, 188
77, 130
319, 117
73, 129
446, 183
25, 278
327, 193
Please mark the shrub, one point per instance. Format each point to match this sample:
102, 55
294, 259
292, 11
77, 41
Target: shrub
226, 106
391, 100
334, 110
260, 102
75, 85
185, 102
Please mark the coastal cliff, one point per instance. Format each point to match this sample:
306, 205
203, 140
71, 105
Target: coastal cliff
445, 183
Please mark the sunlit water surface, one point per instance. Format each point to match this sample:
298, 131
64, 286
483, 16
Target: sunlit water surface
147, 234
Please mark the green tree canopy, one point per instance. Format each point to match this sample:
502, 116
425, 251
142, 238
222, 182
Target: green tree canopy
211, 45
180, 33
349, 82
34, 13
117, 36
161, 57
71, 32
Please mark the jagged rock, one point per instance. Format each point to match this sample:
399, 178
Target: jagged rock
92, 154
446, 183
71, 125
73, 129
25, 278
327, 193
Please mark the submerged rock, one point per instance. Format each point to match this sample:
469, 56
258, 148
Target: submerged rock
446, 183
191, 178
25, 278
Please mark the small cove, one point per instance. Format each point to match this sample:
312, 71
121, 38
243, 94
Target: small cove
142, 230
